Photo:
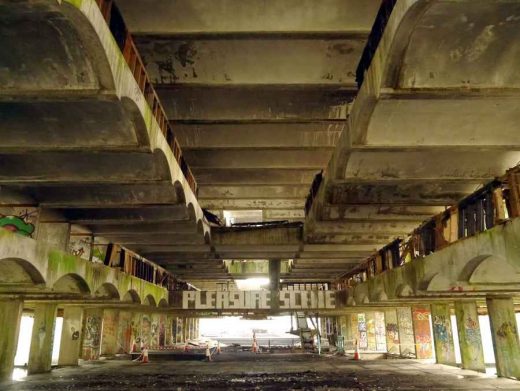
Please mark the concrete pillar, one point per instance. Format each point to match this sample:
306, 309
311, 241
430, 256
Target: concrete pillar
55, 234
155, 320
162, 330
124, 332
470, 339
392, 332
442, 334
348, 331
146, 330
109, 332
92, 326
10, 315
185, 336
40, 354
137, 327
505, 336
422, 331
275, 266
406, 334
371, 330
70, 345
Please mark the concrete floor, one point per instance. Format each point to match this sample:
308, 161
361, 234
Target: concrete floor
246, 371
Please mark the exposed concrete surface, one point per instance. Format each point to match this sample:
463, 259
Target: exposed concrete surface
245, 371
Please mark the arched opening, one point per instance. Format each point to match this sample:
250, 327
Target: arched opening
108, 291
150, 301
131, 297
163, 303
19, 271
71, 283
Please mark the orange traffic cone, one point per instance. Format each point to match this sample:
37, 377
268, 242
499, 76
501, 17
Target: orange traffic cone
134, 347
356, 351
218, 347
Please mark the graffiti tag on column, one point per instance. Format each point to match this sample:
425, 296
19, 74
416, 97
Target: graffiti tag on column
507, 330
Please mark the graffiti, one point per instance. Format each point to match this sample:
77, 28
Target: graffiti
392, 332
20, 221
379, 322
162, 332
441, 329
92, 331
92, 337
423, 338
362, 329
507, 330
80, 246
472, 331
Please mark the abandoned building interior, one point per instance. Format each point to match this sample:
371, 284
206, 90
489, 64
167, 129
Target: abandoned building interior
359, 157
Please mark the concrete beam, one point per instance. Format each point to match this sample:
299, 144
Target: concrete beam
66, 124
250, 61
259, 135
428, 193
373, 227
188, 16
81, 167
254, 192
413, 213
445, 120
106, 195
240, 204
229, 176
461, 165
260, 103
141, 227
373, 239
124, 215
314, 159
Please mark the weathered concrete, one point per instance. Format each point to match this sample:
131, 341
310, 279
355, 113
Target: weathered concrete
42, 338
470, 339
10, 315
504, 331
442, 334
109, 333
71, 336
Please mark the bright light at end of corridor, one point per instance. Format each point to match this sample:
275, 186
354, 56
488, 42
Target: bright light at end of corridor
252, 284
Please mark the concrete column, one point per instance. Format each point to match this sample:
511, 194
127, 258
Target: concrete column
40, 354
185, 336
505, 336
371, 330
92, 326
155, 324
109, 332
56, 234
348, 331
442, 334
392, 332
406, 334
470, 339
275, 266
137, 326
422, 331
146, 330
70, 345
10, 315
124, 332
162, 330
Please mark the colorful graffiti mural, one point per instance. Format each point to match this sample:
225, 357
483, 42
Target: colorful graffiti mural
362, 330
423, 338
92, 335
19, 220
